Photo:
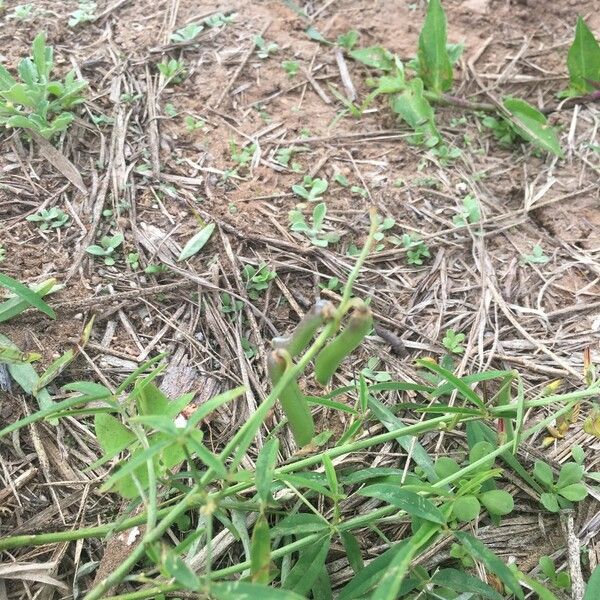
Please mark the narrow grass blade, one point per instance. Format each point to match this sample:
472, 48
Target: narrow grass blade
26, 294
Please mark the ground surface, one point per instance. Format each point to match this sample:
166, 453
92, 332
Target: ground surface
162, 181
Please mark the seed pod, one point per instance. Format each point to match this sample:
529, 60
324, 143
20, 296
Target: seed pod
330, 358
293, 403
321, 311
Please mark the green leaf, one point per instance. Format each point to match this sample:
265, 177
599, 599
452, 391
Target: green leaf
583, 61
412, 503
260, 551
543, 473
498, 502
532, 125
241, 590
6, 79
180, 571
466, 508
479, 451
112, 435
14, 306
550, 502
307, 568
414, 108
569, 473
196, 243
39, 54
494, 564
435, 68
26, 294
353, 552
408, 442
574, 492
299, 524
446, 466
389, 587
371, 575
375, 56
592, 590
459, 581
265, 465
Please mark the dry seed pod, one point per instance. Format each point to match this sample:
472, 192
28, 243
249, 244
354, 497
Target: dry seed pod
292, 400
330, 358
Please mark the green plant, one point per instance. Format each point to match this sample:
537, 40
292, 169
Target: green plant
284, 157
242, 156
560, 580
445, 154
83, 14
172, 70
453, 342
219, 19
230, 305
37, 102
333, 284
537, 256
52, 218
583, 63
192, 123
566, 490
170, 110
413, 94
107, 247
417, 250
23, 12
384, 225
470, 213
310, 189
264, 49
315, 232
257, 279
25, 297
348, 40
371, 373
133, 260
186, 34
503, 131
291, 67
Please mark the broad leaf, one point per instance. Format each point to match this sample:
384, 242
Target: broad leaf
375, 56
196, 243
466, 508
260, 552
435, 68
583, 61
112, 435
241, 590
459, 581
532, 126
498, 502
592, 590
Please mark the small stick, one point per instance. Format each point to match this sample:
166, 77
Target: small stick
345, 75
320, 91
573, 553
241, 67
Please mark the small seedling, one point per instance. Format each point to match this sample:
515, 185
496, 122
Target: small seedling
193, 124
310, 189
417, 249
566, 490
370, 371
172, 70
37, 102
284, 157
250, 351
230, 305
348, 40
170, 110
502, 130
257, 279
53, 218
291, 67
264, 49
537, 256
133, 260
341, 179
453, 342
219, 20
315, 233
445, 154
128, 98
561, 580
470, 212
107, 247
384, 225
152, 269
359, 191
83, 14
333, 284
187, 33
241, 156
23, 12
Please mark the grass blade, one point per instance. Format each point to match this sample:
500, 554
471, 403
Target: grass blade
26, 294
